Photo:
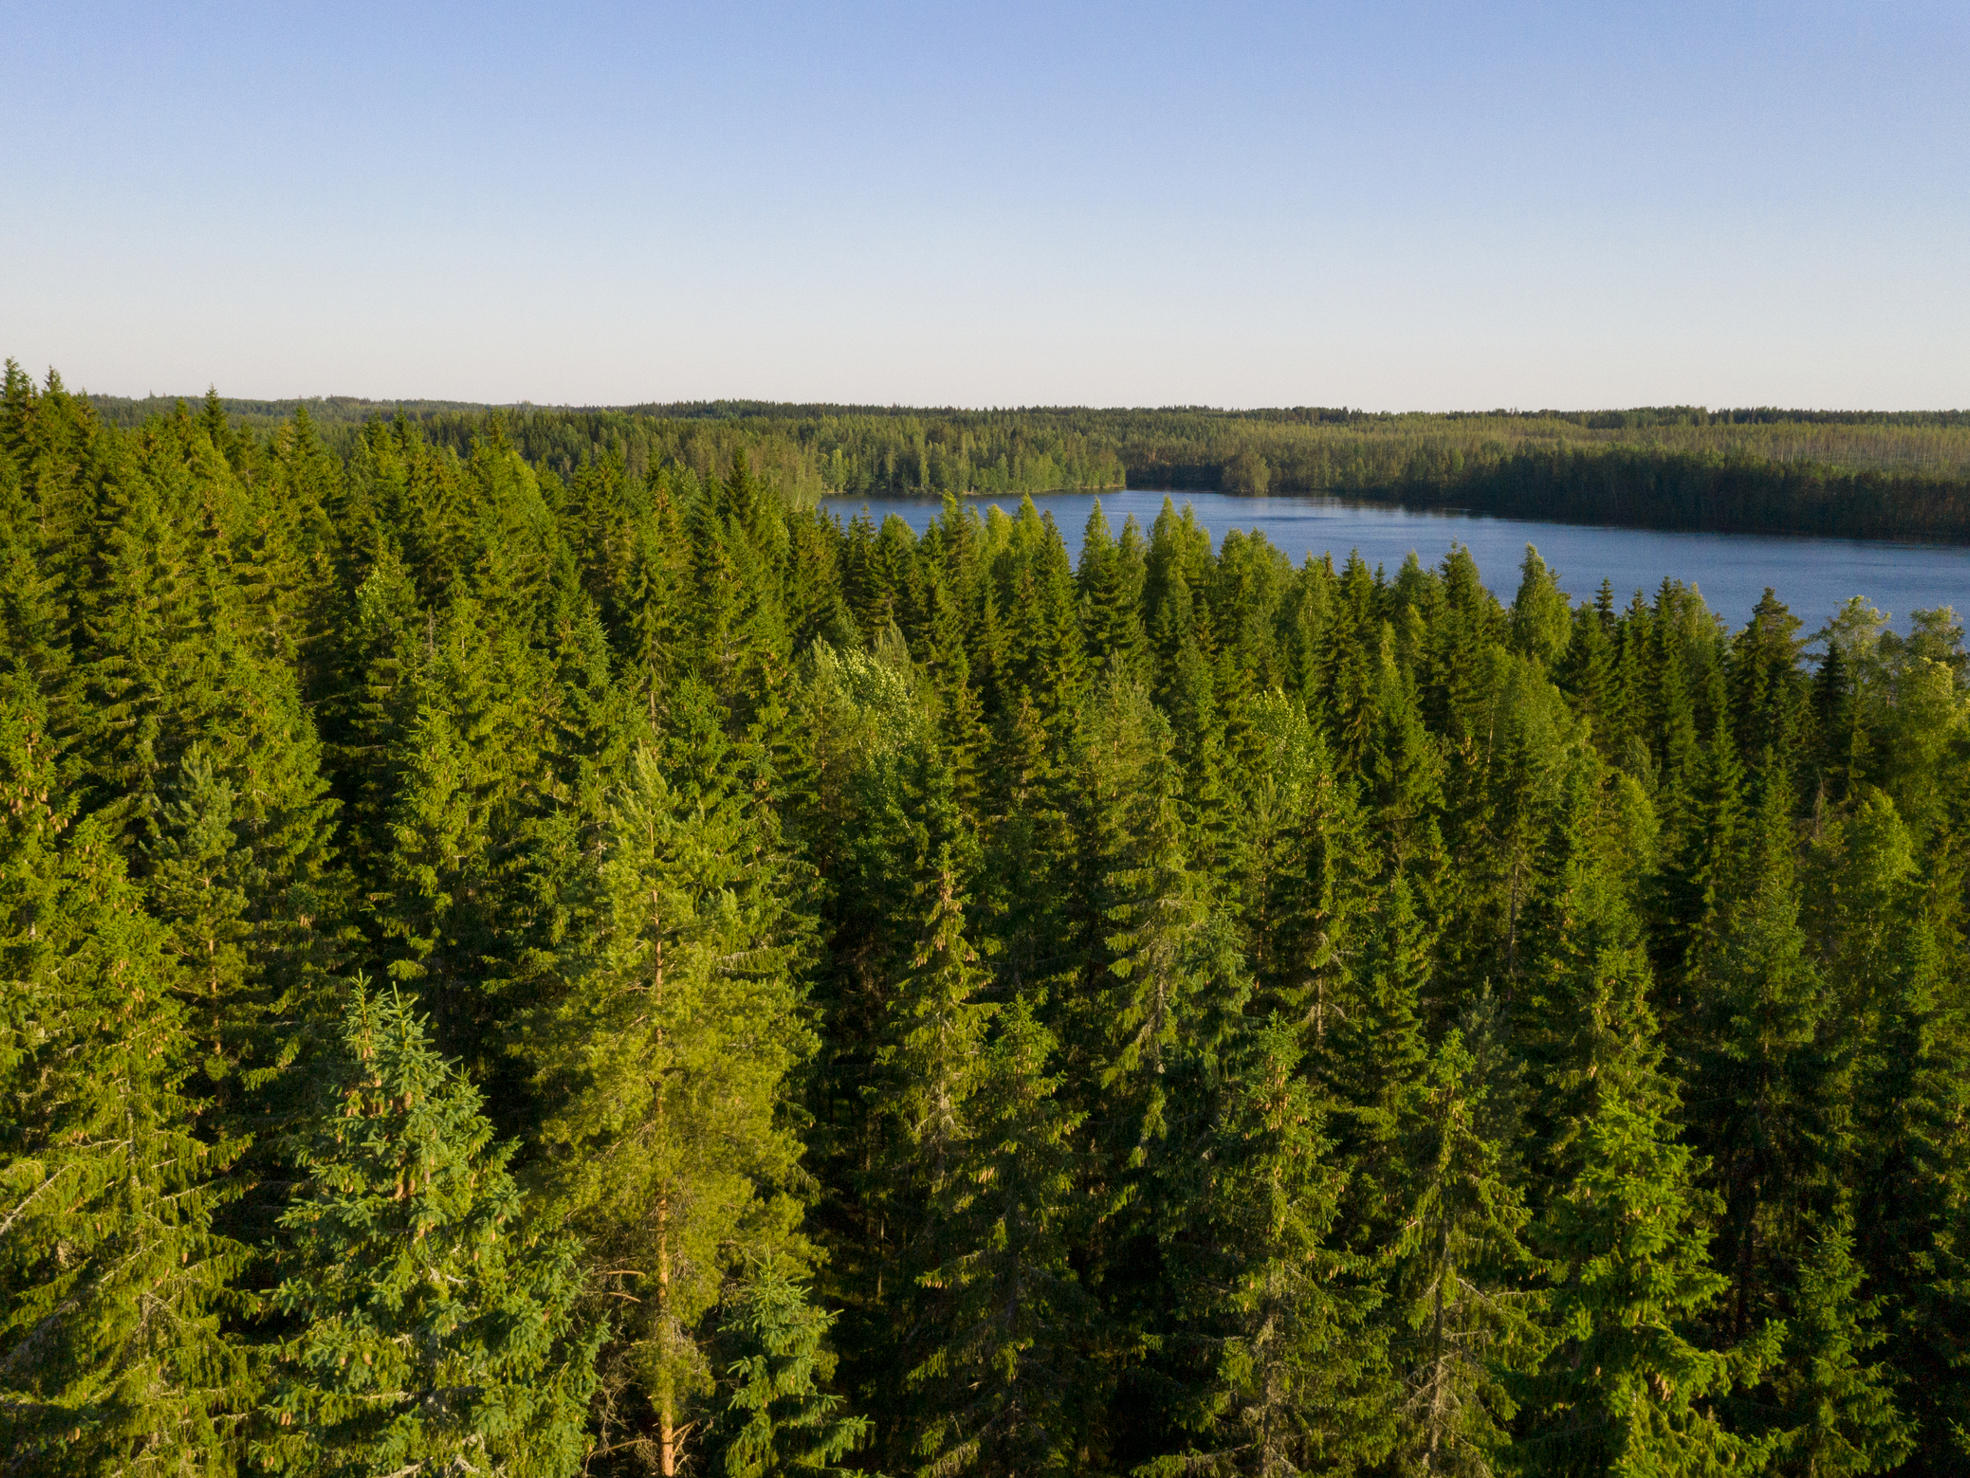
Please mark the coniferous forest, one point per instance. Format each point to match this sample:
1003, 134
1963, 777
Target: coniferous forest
536, 965
1853, 474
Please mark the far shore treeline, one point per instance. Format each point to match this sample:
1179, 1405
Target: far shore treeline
529, 948
1866, 475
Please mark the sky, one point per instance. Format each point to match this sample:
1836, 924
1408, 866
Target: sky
1382, 204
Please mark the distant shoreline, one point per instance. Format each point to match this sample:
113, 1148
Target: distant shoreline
1897, 476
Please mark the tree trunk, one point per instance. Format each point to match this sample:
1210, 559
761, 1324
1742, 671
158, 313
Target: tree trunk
666, 1410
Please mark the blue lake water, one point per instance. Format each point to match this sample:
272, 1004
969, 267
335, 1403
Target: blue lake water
1812, 576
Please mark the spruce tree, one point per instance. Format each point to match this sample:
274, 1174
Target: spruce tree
37, 555
113, 1358
1403, 764
196, 885
1625, 1387
1584, 947
1915, 1178
1141, 1014
241, 867
1163, 972
1761, 1095
1294, 1379
1378, 1056
1768, 692
1839, 1416
777, 1416
431, 1315
916, 1090
452, 899
1541, 618
1462, 1320
930, 1054
1110, 579
961, 711
1003, 1390
1306, 890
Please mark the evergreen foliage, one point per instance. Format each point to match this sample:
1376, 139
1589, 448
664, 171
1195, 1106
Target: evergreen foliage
432, 1325
853, 999
114, 1355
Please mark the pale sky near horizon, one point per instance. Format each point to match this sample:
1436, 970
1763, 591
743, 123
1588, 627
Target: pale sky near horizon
1394, 205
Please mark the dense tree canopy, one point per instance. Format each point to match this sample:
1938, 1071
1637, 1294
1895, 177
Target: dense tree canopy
529, 950
1862, 474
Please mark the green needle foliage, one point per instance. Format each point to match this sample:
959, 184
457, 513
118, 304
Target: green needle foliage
935, 1004
661, 1071
1295, 1373
1840, 1410
113, 1357
1001, 1390
1627, 1387
432, 1326
1457, 1278
779, 1417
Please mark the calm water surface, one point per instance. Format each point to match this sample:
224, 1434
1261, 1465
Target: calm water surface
1812, 576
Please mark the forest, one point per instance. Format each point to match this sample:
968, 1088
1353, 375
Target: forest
1868, 475
522, 958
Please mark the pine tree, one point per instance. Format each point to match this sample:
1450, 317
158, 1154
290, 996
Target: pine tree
432, 1322
661, 1070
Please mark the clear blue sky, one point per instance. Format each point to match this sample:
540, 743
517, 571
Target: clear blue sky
1382, 204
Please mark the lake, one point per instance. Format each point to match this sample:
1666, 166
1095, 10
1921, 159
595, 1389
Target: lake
1812, 576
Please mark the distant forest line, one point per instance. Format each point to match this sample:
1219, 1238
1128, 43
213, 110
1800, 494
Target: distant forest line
1851, 474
